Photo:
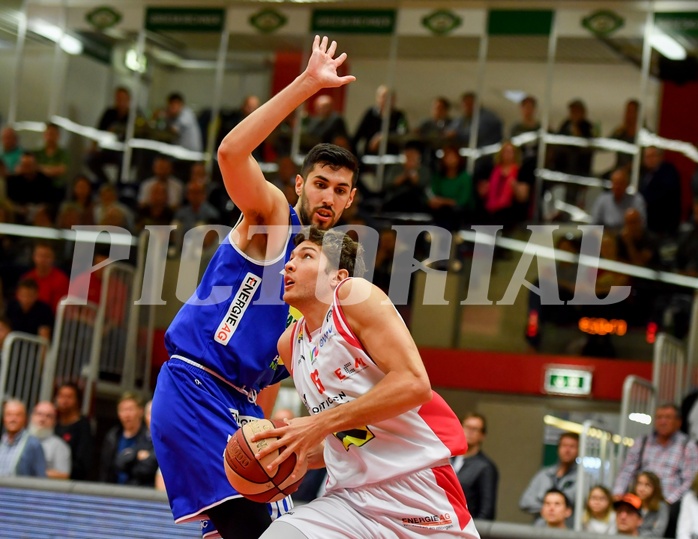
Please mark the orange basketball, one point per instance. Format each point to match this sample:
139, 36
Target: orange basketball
250, 476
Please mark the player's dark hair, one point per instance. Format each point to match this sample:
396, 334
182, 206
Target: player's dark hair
332, 156
342, 251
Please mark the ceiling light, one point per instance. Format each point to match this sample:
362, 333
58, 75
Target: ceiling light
135, 62
666, 45
515, 96
68, 43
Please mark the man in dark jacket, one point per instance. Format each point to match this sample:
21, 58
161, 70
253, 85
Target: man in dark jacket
660, 185
127, 452
477, 474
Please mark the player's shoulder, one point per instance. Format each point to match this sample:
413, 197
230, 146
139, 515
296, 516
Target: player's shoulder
358, 292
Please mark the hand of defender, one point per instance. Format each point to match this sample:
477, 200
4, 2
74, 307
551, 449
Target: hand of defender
322, 66
300, 436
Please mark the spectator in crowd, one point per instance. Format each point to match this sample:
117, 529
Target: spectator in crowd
561, 476
53, 160
451, 193
74, 429
635, 244
367, 139
324, 125
197, 211
181, 121
56, 451
20, 452
162, 174
127, 450
627, 132
668, 453
687, 251
28, 189
660, 186
156, 209
27, 313
52, 282
599, 516
81, 201
11, 152
575, 160
109, 203
555, 511
489, 130
655, 511
407, 183
114, 120
527, 123
5, 330
609, 208
628, 514
227, 120
477, 474
689, 415
433, 130
687, 527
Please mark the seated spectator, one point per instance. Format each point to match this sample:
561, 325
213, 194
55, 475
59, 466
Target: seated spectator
687, 251
669, 454
599, 516
655, 511
28, 189
687, 527
52, 282
27, 313
197, 211
434, 128
325, 124
108, 202
56, 451
20, 452
660, 186
575, 160
528, 123
181, 121
156, 210
628, 514
489, 129
477, 474
367, 139
556, 510
407, 183
502, 191
627, 132
10, 150
609, 208
5, 330
635, 244
162, 175
53, 160
127, 450
451, 194
561, 476
74, 429
81, 201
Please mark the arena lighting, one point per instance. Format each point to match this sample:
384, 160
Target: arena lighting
134, 62
640, 418
515, 96
571, 426
666, 45
53, 33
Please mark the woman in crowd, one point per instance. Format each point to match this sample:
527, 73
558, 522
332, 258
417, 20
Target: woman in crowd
451, 191
599, 516
687, 526
655, 511
502, 191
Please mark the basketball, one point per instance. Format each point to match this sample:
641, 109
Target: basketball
250, 476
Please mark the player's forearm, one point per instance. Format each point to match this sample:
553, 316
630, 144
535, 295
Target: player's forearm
254, 129
392, 396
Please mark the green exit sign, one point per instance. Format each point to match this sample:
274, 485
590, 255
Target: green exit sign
564, 381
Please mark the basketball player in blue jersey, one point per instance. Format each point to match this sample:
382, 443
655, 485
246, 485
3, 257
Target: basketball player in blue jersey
222, 343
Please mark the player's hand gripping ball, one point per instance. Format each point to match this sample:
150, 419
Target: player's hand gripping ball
250, 476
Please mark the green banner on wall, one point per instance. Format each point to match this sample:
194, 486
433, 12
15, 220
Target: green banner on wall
184, 19
354, 21
681, 23
510, 22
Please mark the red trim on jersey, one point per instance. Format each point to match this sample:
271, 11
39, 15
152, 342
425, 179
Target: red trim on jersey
294, 335
446, 478
341, 322
444, 424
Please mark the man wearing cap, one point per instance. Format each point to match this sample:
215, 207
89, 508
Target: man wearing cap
628, 515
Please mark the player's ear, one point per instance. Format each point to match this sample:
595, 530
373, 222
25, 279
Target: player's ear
351, 198
339, 276
299, 184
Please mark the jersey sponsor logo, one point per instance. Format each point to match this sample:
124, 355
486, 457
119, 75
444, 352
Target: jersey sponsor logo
313, 355
241, 419
241, 300
315, 377
325, 337
339, 398
349, 369
443, 521
357, 437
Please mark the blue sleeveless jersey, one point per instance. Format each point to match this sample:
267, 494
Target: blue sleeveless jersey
232, 323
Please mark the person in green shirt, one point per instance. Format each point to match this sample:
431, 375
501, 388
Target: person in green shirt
10, 151
52, 159
451, 194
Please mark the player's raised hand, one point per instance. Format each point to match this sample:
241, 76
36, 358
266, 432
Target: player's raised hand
322, 65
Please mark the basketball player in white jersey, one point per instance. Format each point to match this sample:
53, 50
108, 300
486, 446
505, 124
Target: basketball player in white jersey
388, 437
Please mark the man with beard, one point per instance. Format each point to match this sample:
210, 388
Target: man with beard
56, 451
222, 343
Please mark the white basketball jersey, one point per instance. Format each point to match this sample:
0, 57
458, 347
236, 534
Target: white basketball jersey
330, 368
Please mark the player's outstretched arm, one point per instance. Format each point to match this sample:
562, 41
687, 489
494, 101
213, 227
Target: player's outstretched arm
242, 176
386, 339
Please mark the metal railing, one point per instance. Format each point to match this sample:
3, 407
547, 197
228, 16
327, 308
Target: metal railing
21, 361
637, 409
669, 369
